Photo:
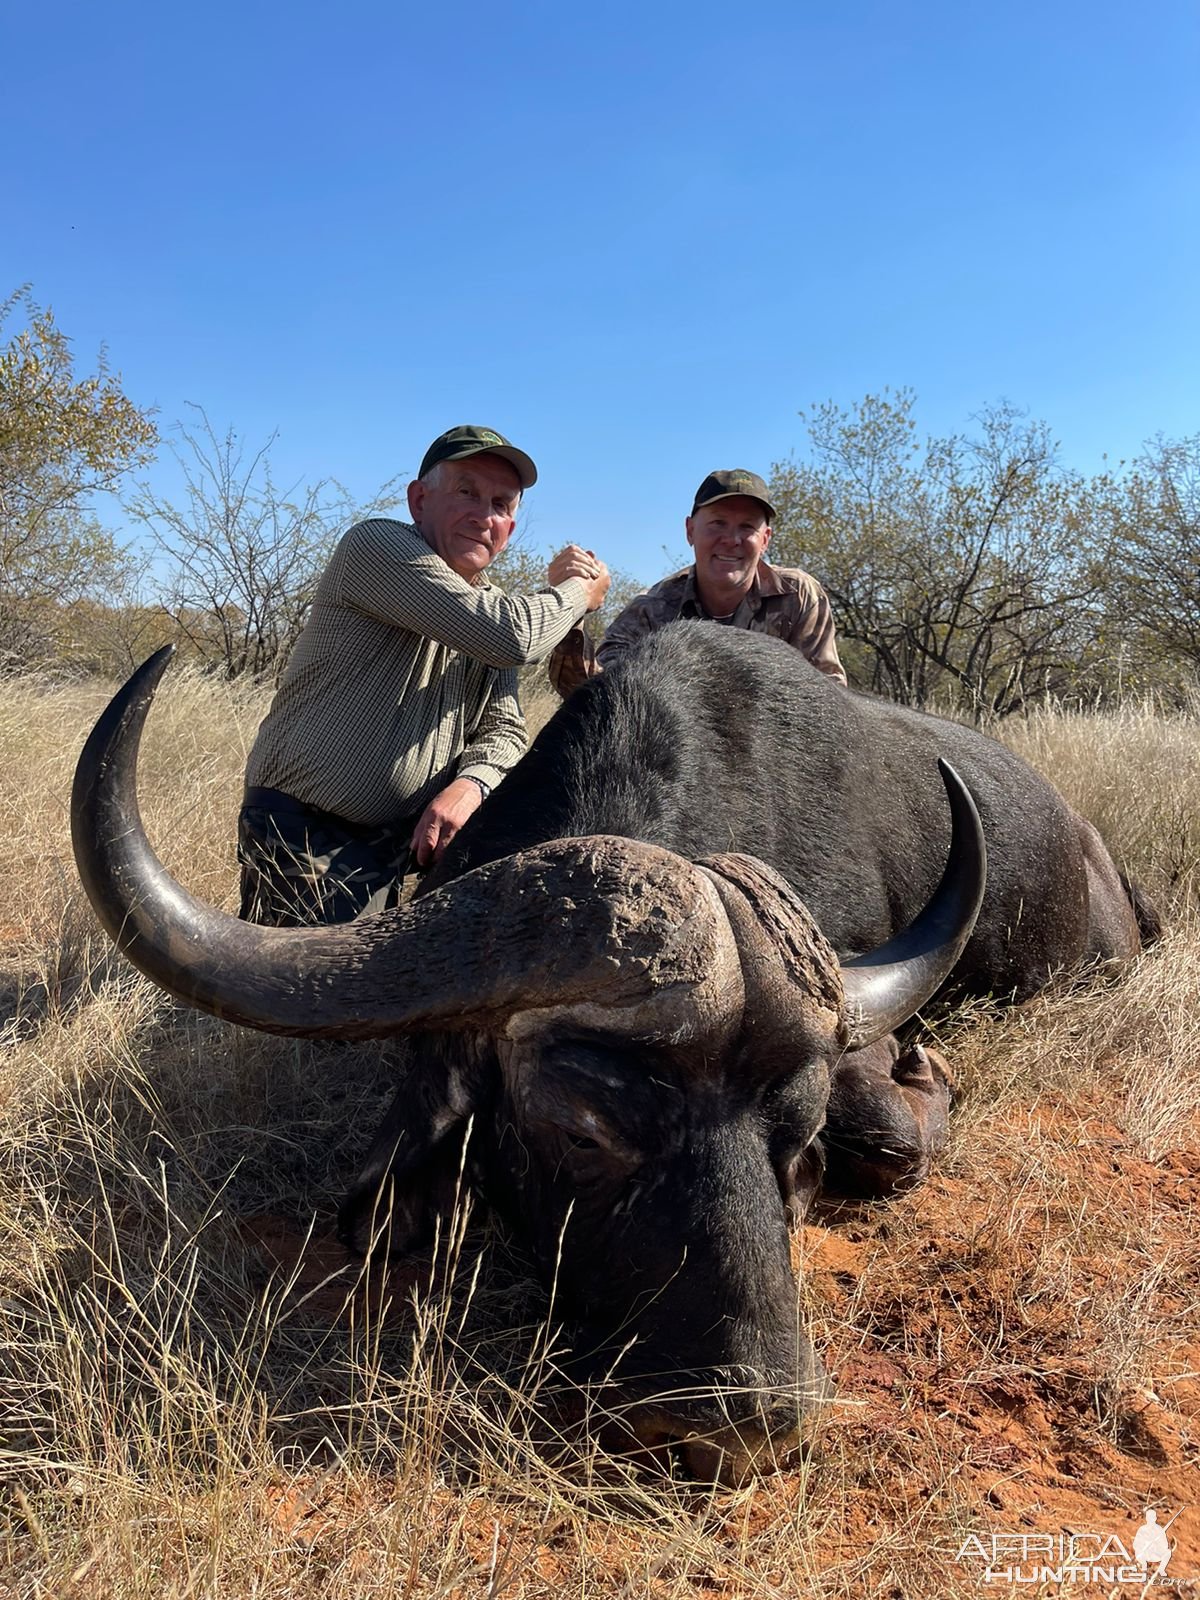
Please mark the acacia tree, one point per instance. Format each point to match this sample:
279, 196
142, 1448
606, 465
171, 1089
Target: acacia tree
240, 559
1158, 574
969, 566
63, 439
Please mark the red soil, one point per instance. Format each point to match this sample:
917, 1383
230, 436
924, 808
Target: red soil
1020, 1338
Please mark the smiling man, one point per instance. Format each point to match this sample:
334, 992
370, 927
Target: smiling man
398, 710
730, 583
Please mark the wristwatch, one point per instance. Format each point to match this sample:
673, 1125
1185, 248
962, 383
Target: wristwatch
485, 789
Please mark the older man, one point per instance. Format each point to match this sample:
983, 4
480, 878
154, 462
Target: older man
398, 710
730, 582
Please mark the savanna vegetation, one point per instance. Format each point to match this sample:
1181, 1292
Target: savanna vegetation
202, 1395
975, 570
979, 571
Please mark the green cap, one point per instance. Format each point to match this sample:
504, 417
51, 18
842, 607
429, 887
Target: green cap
721, 485
469, 441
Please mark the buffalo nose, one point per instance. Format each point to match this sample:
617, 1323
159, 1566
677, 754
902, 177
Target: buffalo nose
735, 1455
731, 1448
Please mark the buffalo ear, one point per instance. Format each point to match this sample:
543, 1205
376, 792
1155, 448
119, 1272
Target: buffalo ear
414, 1171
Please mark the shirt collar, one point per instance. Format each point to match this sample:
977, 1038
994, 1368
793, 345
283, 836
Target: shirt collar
766, 582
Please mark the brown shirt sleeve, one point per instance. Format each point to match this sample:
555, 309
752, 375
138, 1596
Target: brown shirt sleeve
577, 659
630, 628
813, 632
572, 662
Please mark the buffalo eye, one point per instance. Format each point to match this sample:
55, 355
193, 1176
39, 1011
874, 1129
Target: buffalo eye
587, 1149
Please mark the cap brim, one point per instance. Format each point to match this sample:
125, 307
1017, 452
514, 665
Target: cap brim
736, 494
517, 459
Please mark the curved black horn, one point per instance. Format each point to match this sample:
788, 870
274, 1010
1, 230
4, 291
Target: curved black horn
604, 920
887, 986
112, 853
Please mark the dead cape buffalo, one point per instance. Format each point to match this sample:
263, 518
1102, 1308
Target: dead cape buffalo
658, 972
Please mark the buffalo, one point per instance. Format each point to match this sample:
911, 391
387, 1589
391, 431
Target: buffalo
657, 977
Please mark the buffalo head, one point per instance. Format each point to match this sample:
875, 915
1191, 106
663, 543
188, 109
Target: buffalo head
644, 1045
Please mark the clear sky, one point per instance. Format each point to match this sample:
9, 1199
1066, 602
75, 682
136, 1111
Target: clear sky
636, 239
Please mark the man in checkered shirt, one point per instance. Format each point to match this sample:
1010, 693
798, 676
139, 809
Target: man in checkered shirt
398, 710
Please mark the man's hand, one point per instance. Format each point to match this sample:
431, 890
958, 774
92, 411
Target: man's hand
443, 817
574, 562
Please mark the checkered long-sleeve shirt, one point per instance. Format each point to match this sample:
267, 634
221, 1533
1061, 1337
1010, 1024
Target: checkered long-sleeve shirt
403, 678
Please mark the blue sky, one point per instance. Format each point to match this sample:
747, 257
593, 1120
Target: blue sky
636, 239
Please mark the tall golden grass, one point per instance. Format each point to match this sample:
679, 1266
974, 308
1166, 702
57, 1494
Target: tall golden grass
200, 1396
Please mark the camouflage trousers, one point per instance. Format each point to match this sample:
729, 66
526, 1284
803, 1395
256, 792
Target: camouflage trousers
302, 866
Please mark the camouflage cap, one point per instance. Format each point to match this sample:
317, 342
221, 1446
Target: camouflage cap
469, 441
721, 485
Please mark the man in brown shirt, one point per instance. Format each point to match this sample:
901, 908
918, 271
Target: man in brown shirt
398, 710
730, 582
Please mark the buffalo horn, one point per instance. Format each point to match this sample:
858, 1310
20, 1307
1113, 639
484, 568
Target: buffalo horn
603, 920
889, 985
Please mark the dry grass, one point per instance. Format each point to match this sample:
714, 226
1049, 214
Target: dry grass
199, 1398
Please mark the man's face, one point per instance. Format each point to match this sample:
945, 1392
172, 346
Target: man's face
729, 537
467, 514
